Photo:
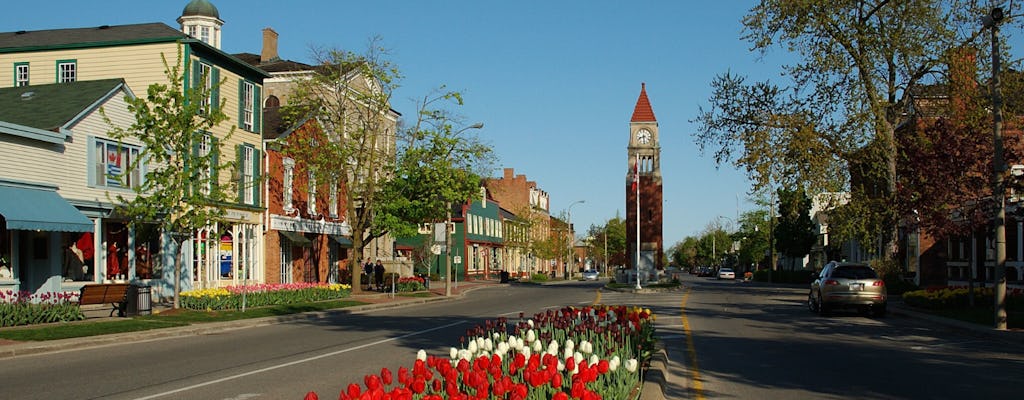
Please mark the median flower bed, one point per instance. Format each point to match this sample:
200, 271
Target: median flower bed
954, 297
580, 353
26, 308
230, 297
411, 284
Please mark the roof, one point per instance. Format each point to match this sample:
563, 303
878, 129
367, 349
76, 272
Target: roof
13, 42
49, 107
277, 65
642, 112
120, 35
201, 8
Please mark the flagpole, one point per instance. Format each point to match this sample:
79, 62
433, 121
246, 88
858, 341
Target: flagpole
636, 185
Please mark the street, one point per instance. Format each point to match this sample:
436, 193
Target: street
724, 339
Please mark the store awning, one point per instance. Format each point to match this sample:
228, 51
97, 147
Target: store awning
343, 241
31, 208
296, 238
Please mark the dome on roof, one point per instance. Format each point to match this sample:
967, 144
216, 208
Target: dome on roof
200, 8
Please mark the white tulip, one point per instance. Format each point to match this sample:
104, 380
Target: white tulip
530, 323
472, 346
578, 357
553, 348
526, 352
489, 344
453, 353
631, 365
531, 335
594, 359
537, 347
569, 344
421, 355
561, 366
567, 353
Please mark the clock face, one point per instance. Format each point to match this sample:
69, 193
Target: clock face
643, 136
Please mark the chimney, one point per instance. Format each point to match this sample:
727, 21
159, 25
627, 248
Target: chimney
509, 172
269, 52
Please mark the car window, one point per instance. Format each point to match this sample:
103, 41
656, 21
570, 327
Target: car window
854, 272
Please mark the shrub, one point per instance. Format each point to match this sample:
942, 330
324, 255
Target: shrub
411, 284
539, 277
25, 308
959, 297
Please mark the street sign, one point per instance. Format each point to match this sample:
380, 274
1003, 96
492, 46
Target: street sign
457, 260
435, 249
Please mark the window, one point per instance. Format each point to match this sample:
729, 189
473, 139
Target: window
333, 207
248, 177
289, 184
192, 31
248, 106
205, 79
311, 204
21, 74
207, 172
285, 268
67, 71
115, 165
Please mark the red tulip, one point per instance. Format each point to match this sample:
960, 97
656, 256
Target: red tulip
560, 396
403, 375
418, 385
311, 396
556, 380
385, 376
353, 390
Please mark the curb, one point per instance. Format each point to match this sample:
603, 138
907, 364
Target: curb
1015, 336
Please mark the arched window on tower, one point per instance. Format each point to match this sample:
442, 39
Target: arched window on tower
272, 101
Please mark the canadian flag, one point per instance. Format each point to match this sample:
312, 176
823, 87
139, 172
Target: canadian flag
636, 174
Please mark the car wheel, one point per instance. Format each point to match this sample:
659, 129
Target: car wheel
822, 307
810, 303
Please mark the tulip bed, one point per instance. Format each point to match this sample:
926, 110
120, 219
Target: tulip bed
585, 353
411, 284
230, 297
26, 308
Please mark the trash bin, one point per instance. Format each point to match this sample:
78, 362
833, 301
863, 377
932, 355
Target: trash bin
426, 280
139, 300
504, 277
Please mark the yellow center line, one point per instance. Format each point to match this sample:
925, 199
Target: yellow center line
598, 299
698, 387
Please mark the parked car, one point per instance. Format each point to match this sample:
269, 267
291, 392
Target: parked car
705, 271
848, 285
726, 273
590, 275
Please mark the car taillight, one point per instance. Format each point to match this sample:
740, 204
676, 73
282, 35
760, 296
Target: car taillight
831, 282
878, 283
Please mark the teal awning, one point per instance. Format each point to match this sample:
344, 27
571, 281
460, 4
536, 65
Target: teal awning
343, 241
296, 238
32, 208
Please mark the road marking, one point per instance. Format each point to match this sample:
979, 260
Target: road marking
598, 299
698, 387
288, 364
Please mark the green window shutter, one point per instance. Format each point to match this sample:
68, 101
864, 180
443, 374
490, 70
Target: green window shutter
257, 110
256, 179
239, 160
189, 168
197, 75
215, 92
241, 104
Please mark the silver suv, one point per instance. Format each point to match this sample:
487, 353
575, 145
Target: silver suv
848, 285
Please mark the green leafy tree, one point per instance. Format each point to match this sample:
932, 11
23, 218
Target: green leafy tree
349, 97
182, 191
614, 230
856, 64
794, 231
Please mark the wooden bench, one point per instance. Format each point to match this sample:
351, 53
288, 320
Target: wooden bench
115, 294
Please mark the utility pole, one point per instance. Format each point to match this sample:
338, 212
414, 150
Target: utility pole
998, 168
448, 253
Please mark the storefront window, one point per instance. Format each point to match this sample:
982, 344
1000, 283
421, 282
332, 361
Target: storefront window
117, 250
78, 257
226, 255
147, 252
6, 265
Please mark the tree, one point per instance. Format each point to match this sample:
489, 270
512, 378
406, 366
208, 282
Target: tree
614, 230
857, 63
794, 232
182, 192
349, 96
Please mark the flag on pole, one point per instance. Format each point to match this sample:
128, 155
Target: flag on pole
636, 174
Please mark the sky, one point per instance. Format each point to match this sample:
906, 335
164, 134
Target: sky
553, 82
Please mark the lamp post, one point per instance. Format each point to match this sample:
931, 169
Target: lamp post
572, 238
448, 229
992, 21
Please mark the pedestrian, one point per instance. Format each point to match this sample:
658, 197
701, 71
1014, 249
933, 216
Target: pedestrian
368, 274
378, 275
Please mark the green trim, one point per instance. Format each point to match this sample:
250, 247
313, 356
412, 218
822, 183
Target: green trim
18, 64
56, 67
112, 43
187, 64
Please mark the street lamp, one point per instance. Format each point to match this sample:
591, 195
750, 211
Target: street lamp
992, 21
448, 230
572, 238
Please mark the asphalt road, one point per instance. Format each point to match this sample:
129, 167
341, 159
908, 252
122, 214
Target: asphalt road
729, 339
282, 361
724, 339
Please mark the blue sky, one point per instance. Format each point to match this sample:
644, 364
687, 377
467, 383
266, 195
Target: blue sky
553, 82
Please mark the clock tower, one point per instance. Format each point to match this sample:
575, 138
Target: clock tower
643, 178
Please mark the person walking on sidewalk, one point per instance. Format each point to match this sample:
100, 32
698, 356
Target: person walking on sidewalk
378, 275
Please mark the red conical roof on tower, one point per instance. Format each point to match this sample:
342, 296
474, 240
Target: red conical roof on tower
643, 112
